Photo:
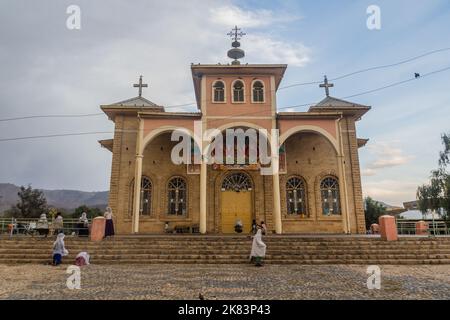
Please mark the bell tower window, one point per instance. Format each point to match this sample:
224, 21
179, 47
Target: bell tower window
238, 91
258, 91
219, 91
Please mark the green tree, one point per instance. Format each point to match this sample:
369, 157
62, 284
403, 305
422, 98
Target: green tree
435, 195
372, 210
31, 204
91, 212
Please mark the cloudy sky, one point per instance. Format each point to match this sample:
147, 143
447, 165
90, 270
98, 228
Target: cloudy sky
48, 69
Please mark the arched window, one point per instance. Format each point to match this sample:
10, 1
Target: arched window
146, 197
177, 194
296, 197
329, 191
238, 91
258, 91
219, 91
237, 181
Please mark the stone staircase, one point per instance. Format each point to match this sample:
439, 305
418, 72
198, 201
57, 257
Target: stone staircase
192, 249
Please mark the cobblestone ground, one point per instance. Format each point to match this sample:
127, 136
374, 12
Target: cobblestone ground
224, 282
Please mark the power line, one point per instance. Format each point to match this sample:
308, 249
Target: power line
248, 95
56, 135
369, 69
53, 116
346, 97
397, 83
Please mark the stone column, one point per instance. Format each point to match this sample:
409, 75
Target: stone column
276, 188
277, 203
137, 177
203, 183
274, 149
343, 183
203, 165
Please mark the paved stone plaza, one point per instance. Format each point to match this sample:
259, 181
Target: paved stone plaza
224, 282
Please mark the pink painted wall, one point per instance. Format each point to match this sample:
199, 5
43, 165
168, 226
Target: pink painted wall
327, 124
217, 123
238, 109
151, 124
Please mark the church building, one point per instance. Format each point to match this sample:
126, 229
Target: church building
317, 188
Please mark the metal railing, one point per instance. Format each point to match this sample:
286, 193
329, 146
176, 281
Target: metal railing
31, 227
435, 227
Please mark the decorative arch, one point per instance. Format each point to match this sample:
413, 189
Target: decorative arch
237, 181
244, 124
260, 97
164, 129
313, 129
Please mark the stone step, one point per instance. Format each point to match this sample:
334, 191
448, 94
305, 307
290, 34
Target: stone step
224, 249
169, 247
212, 240
269, 256
242, 261
6, 252
229, 250
193, 240
316, 244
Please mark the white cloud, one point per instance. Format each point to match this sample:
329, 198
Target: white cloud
368, 172
392, 192
65, 72
385, 155
265, 49
261, 48
232, 15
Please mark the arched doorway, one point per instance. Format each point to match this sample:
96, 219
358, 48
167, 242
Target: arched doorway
236, 202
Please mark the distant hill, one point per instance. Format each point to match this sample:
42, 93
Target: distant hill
63, 199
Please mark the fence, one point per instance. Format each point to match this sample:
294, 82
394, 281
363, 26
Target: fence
436, 227
29, 226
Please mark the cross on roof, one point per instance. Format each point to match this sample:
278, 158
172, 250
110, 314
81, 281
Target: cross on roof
236, 33
326, 85
140, 85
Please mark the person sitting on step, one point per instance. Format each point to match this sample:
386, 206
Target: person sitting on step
238, 227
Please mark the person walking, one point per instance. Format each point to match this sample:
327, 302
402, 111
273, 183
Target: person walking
258, 249
59, 249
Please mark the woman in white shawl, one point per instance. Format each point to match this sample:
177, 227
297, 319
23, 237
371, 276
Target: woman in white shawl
42, 225
82, 259
59, 249
83, 225
258, 249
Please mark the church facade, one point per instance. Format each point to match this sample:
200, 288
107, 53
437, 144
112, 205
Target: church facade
317, 188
